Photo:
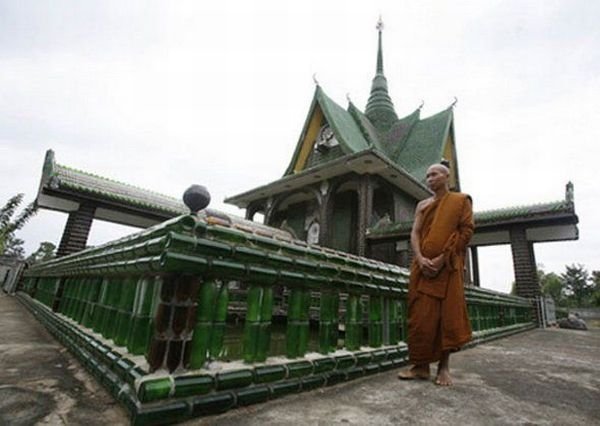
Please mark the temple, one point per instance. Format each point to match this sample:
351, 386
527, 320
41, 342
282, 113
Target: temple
202, 311
355, 179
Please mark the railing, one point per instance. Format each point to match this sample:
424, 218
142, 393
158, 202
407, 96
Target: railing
172, 293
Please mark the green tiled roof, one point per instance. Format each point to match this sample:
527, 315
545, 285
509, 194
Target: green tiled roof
346, 130
424, 145
57, 177
523, 212
410, 143
492, 217
395, 140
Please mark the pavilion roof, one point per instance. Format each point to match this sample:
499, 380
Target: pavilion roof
561, 210
62, 188
62, 182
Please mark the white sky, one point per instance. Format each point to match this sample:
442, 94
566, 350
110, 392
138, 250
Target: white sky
166, 94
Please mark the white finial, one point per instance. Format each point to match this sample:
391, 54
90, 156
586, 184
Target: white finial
315, 79
348, 98
421, 106
454, 103
379, 24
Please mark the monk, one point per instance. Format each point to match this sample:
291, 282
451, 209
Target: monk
437, 313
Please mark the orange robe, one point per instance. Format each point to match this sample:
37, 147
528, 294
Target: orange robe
437, 311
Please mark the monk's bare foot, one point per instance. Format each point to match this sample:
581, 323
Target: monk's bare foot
443, 378
417, 372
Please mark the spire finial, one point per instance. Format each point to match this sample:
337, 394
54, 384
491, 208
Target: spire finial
570, 193
379, 24
379, 28
380, 109
315, 79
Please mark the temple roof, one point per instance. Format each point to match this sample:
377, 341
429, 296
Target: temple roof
409, 143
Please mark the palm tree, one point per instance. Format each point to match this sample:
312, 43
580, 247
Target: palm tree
9, 245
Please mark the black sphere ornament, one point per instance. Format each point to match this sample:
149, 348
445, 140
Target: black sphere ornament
196, 197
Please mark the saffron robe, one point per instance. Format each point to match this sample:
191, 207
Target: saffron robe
437, 311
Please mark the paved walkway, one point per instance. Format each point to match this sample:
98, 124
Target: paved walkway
542, 377
41, 382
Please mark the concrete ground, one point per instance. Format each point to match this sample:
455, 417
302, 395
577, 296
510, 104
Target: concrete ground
41, 383
541, 377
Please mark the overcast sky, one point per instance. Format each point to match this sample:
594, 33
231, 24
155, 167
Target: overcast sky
166, 94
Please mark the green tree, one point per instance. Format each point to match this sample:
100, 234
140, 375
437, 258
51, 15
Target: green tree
13, 247
45, 251
9, 244
578, 285
552, 285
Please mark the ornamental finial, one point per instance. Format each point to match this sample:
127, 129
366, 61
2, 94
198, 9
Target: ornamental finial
196, 198
379, 26
315, 79
570, 192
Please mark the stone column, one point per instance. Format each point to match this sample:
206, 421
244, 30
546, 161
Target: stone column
475, 265
526, 279
77, 230
325, 213
365, 210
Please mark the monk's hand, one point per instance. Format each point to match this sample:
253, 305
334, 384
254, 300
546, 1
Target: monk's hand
427, 266
437, 263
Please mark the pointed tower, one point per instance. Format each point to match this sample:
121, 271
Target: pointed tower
380, 109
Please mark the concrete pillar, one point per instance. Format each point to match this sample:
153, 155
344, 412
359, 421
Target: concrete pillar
77, 230
526, 278
325, 213
475, 266
365, 210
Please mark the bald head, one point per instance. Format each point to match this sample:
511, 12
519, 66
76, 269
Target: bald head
437, 177
440, 168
